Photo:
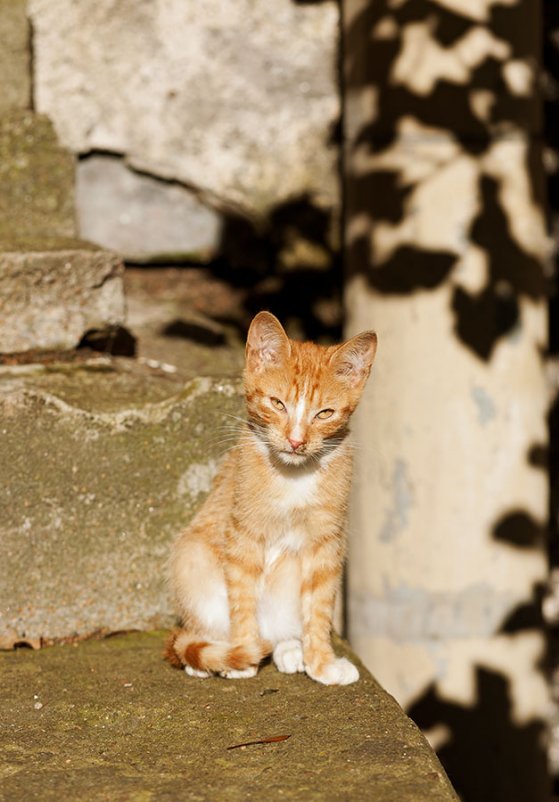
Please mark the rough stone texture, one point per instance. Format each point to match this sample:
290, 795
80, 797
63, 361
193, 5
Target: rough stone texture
107, 720
15, 56
235, 100
142, 217
106, 464
170, 311
51, 294
36, 179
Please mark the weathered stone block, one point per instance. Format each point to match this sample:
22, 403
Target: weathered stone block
238, 100
36, 179
15, 56
108, 720
52, 293
142, 217
102, 468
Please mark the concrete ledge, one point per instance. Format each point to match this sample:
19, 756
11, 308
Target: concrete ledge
108, 720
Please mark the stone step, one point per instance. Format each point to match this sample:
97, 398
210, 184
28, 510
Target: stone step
103, 463
108, 720
53, 287
54, 290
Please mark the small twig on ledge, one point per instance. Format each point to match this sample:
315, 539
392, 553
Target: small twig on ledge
273, 739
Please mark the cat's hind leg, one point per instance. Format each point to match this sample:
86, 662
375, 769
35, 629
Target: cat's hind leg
204, 647
199, 588
239, 673
198, 583
195, 672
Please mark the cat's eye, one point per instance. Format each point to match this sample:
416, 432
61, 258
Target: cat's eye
277, 403
324, 413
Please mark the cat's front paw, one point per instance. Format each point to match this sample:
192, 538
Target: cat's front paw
239, 673
339, 672
288, 656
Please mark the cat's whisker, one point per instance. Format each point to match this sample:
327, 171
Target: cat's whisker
231, 436
227, 426
235, 417
224, 438
223, 445
230, 431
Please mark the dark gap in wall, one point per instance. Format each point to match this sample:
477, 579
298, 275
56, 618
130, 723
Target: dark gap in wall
211, 202
117, 341
31, 29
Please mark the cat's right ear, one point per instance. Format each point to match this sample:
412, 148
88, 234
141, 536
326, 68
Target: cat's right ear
267, 343
352, 361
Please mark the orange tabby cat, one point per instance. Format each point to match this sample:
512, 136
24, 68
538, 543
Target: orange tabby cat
258, 568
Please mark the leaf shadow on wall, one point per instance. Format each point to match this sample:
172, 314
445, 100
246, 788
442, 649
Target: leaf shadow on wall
489, 756
551, 120
482, 316
289, 264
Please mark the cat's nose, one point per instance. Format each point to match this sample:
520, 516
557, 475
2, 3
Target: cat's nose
295, 443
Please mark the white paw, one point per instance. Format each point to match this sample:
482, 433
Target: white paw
243, 673
288, 656
194, 672
338, 672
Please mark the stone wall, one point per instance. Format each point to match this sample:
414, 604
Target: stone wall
53, 287
236, 104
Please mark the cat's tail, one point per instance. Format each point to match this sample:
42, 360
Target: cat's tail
184, 649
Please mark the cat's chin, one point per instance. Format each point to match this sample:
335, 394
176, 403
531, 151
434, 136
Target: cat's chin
291, 458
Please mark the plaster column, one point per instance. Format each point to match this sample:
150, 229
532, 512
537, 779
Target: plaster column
446, 254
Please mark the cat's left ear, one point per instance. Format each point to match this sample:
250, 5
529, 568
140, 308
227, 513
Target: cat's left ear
353, 360
267, 343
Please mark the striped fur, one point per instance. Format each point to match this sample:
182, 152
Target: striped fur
262, 559
184, 649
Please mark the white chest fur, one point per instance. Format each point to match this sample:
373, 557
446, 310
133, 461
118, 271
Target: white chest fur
292, 494
296, 491
289, 540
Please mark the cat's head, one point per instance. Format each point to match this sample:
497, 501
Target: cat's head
300, 395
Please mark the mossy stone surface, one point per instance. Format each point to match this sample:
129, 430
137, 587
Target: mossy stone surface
15, 55
28, 242
103, 469
108, 721
36, 179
